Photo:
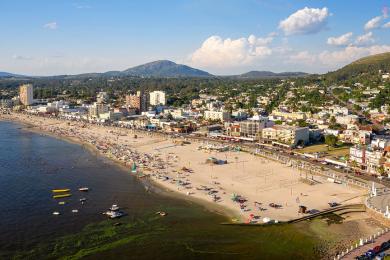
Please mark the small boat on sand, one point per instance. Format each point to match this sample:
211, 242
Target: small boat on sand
84, 189
60, 190
62, 196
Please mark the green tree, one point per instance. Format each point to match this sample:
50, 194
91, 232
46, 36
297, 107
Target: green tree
331, 140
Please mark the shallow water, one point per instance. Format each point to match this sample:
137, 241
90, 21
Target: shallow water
31, 165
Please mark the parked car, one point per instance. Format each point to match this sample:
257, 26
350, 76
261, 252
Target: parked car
370, 253
333, 204
376, 249
385, 246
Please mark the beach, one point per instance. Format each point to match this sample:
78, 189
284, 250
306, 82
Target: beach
250, 188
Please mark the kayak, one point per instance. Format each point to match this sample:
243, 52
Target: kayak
62, 196
60, 190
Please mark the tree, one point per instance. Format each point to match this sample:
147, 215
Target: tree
331, 140
332, 120
381, 170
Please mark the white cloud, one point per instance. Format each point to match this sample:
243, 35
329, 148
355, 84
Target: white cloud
220, 53
365, 39
51, 26
303, 57
373, 23
386, 25
341, 40
305, 21
331, 60
21, 57
336, 59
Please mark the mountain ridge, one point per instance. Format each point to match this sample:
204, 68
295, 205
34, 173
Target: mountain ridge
170, 69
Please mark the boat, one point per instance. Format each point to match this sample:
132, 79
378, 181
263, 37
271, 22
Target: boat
56, 213
114, 207
84, 189
60, 190
161, 213
83, 199
114, 214
62, 196
75, 210
266, 220
61, 203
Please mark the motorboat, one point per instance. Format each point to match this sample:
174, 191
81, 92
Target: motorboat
83, 200
161, 213
61, 203
75, 210
84, 189
56, 213
114, 214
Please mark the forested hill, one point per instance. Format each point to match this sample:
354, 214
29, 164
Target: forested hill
364, 67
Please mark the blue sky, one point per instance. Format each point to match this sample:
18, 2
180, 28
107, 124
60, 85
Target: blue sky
221, 36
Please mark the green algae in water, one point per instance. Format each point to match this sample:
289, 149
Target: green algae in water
187, 232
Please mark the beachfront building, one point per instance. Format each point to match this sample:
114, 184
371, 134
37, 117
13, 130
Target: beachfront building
253, 127
216, 115
157, 98
367, 159
138, 101
26, 94
290, 135
96, 109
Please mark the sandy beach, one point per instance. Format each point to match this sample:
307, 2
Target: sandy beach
252, 187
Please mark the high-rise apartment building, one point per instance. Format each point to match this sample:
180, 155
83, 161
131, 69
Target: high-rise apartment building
157, 98
26, 94
138, 101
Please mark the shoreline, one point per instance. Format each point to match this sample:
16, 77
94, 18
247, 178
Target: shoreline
156, 187
240, 177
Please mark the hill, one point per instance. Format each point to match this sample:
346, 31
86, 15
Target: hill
270, 74
164, 68
369, 65
8, 75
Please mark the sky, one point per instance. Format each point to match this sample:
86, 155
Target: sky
53, 37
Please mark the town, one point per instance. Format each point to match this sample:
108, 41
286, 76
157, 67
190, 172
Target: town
332, 125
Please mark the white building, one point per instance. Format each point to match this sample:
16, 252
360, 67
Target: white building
253, 127
97, 109
157, 98
290, 135
216, 115
26, 94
